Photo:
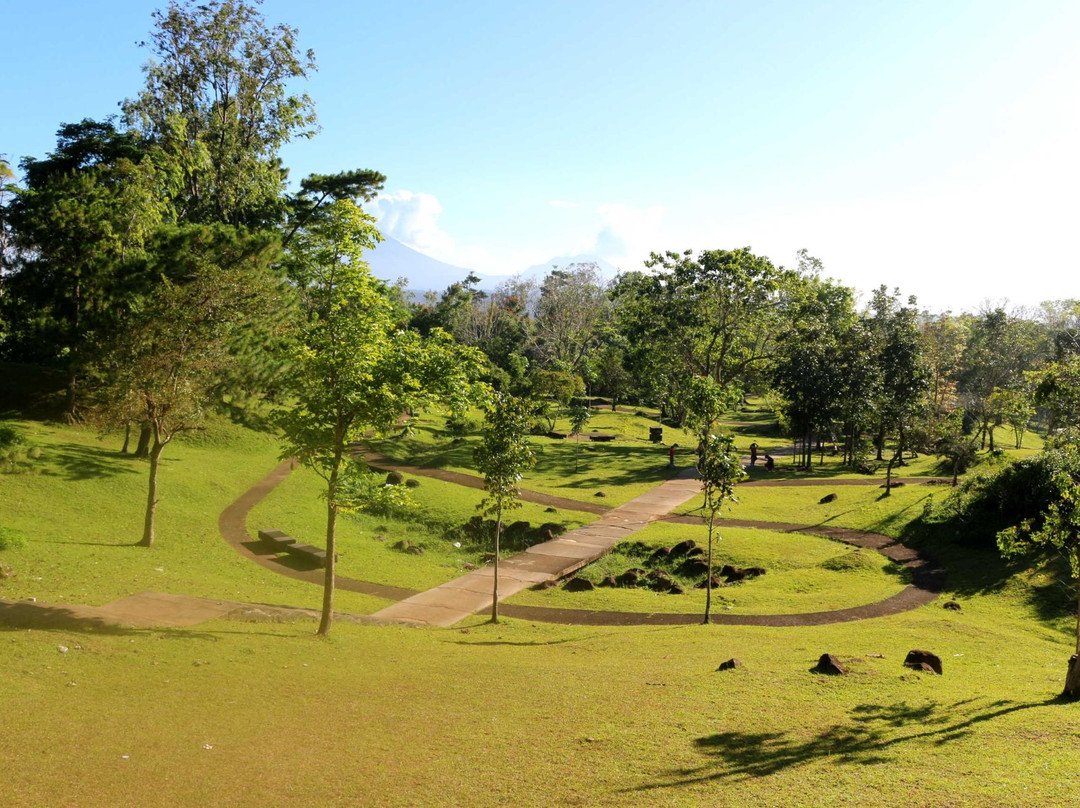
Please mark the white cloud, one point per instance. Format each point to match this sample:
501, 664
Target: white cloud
413, 219
628, 234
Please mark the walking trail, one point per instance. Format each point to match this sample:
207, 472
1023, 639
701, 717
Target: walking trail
452, 602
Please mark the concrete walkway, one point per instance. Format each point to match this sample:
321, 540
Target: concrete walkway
455, 600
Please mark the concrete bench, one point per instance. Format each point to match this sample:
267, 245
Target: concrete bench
281, 542
276, 539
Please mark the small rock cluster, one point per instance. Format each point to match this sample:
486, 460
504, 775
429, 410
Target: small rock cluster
830, 665
685, 559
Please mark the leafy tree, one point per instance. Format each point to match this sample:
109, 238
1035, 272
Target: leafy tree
718, 461
571, 317
1015, 407
503, 456
720, 470
165, 365
904, 382
1058, 390
354, 371
579, 416
953, 445
719, 310
1056, 529
79, 228
216, 105
1000, 347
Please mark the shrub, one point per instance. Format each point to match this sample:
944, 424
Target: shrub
10, 538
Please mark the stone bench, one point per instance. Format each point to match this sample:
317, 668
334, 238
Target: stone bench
281, 542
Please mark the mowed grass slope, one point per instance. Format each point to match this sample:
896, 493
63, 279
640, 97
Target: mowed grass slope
264, 714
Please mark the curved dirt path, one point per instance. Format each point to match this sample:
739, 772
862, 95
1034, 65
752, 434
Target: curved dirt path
927, 580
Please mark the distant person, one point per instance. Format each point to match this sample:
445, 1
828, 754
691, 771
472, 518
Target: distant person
770, 464
753, 454
671, 455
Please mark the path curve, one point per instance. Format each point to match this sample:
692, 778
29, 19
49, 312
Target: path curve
927, 579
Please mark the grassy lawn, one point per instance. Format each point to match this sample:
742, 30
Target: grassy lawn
522, 714
367, 542
80, 508
262, 714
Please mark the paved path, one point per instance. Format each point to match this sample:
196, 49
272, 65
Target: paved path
455, 600
473, 592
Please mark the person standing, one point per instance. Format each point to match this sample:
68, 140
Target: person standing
671, 455
753, 453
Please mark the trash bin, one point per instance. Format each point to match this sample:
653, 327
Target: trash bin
656, 434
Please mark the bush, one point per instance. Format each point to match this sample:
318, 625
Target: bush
10, 538
1007, 496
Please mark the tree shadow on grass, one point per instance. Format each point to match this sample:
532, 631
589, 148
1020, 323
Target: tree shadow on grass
23, 615
78, 462
866, 738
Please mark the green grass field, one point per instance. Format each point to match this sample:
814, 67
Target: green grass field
521, 713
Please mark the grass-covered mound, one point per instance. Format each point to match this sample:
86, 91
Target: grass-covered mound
803, 573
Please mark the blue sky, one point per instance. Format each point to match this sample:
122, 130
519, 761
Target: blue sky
927, 145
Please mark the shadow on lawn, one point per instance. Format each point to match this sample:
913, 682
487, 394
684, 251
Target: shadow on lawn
77, 462
866, 738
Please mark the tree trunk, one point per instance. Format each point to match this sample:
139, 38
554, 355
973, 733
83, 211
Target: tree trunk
327, 618
127, 437
708, 573
495, 585
70, 395
151, 495
143, 448
1072, 678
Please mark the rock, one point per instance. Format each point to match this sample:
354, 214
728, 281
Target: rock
468, 566
609, 580
731, 664
754, 572
600, 494
552, 529
414, 550
682, 548
696, 552
549, 584
410, 483
550, 510
395, 478
830, 665
827, 499
735, 574
579, 585
676, 590
716, 583
693, 567
556, 435
629, 578
915, 659
659, 580
516, 530
658, 556
63, 649
952, 605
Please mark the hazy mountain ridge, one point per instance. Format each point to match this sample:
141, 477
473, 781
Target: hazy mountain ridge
392, 260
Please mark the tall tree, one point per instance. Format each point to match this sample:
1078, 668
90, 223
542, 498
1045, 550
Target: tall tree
503, 456
1056, 529
571, 317
165, 366
79, 226
354, 371
217, 105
